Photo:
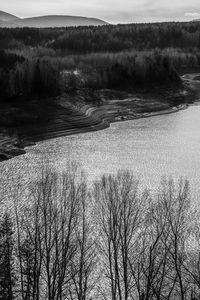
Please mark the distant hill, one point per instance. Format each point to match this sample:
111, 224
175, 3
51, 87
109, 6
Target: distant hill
5, 17
8, 20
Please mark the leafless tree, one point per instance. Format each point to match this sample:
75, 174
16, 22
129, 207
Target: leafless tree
85, 262
177, 205
163, 254
55, 245
120, 216
118, 243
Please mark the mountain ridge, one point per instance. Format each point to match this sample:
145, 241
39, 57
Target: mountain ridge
9, 20
4, 16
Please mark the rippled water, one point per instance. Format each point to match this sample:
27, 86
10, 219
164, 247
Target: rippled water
167, 145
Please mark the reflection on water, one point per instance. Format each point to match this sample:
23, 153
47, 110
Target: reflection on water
167, 145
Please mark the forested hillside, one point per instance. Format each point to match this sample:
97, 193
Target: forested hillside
47, 62
112, 38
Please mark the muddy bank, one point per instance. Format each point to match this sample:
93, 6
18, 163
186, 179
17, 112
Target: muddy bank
70, 115
11, 146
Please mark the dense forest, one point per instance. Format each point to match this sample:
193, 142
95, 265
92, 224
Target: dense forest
47, 62
109, 38
64, 240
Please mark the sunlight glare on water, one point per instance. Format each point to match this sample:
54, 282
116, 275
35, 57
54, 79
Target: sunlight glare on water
166, 145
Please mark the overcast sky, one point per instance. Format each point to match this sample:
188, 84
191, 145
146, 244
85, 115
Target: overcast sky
114, 11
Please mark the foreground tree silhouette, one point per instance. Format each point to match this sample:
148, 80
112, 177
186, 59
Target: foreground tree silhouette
164, 245
120, 213
85, 262
56, 252
143, 241
7, 278
114, 241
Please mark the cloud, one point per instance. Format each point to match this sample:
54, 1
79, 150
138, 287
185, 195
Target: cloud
192, 14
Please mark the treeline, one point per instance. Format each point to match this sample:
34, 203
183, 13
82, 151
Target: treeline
128, 37
111, 241
17, 38
124, 69
48, 62
111, 38
8, 61
27, 77
52, 76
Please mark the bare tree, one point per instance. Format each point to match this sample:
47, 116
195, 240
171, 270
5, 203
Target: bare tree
177, 205
192, 263
59, 200
85, 261
164, 248
118, 244
152, 271
31, 250
47, 234
120, 216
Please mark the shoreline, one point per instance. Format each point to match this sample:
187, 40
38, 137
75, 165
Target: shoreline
93, 119
104, 123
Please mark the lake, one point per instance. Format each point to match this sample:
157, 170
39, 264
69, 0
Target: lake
165, 145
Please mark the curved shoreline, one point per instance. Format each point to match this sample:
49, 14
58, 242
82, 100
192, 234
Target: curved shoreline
105, 122
92, 119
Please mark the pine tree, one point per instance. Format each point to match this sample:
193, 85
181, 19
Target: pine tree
28, 270
199, 42
6, 258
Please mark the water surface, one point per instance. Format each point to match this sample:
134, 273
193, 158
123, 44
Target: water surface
167, 145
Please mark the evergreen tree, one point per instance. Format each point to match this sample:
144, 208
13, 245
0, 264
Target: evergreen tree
27, 256
6, 258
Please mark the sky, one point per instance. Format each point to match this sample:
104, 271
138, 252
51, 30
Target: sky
113, 11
